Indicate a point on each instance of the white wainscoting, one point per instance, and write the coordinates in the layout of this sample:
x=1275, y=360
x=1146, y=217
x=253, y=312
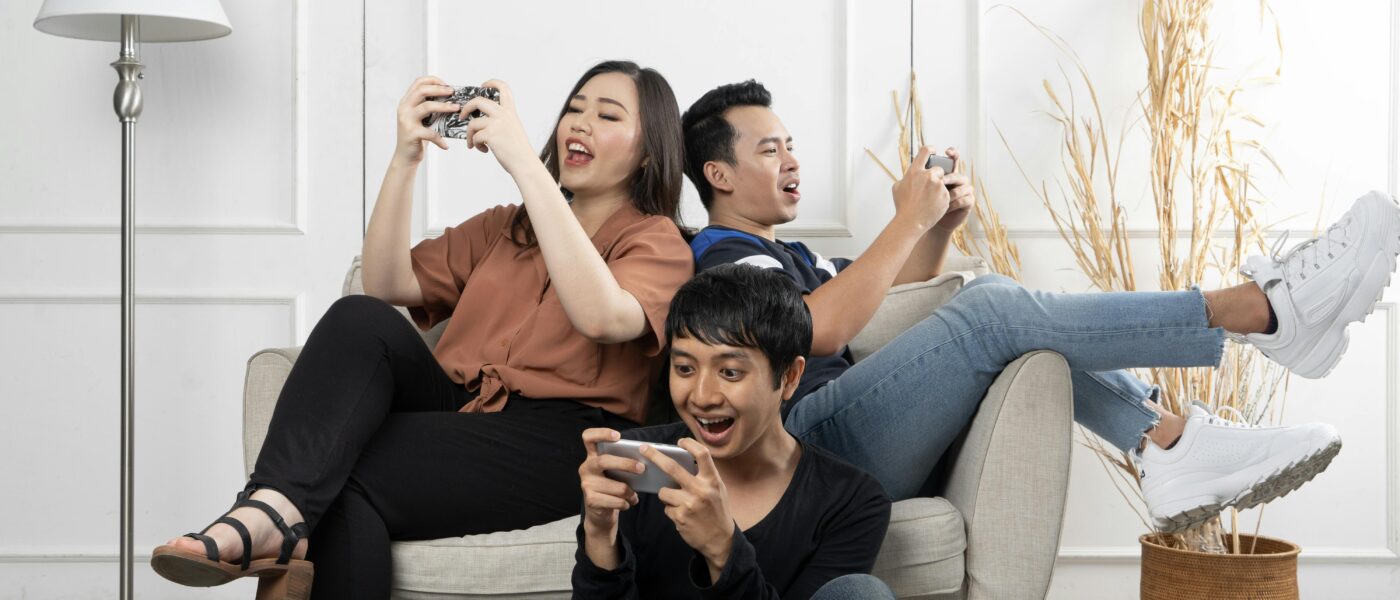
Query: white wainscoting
x=261, y=154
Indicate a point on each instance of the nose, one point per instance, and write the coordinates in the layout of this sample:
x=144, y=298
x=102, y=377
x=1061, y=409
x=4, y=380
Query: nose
x=706, y=393
x=790, y=163
x=580, y=124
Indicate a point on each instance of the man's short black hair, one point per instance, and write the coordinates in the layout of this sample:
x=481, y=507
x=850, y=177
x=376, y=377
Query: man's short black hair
x=708, y=136
x=746, y=307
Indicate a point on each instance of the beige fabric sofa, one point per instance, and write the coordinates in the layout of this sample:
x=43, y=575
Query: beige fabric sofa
x=992, y=534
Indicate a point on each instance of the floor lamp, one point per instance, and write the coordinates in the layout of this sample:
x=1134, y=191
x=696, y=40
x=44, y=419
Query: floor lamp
x=130, y=22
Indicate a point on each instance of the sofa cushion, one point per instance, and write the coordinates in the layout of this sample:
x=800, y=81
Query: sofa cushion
x=922, y=555
x=525, y=563
x=923, y=551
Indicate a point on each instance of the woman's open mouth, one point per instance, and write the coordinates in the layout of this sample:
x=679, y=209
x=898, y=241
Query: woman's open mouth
x=577, y=154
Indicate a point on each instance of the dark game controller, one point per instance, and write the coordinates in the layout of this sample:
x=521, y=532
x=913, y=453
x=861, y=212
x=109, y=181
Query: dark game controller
x=453, y=125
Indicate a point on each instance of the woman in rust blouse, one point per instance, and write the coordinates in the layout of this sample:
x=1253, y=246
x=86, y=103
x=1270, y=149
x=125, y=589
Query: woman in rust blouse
x=557, y=311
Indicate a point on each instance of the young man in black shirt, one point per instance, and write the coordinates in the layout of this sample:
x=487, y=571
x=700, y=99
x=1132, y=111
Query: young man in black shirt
x=894, y=413
x=767, y=516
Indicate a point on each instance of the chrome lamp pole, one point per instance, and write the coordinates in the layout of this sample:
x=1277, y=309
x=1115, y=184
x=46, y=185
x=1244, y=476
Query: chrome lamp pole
x=123, y=21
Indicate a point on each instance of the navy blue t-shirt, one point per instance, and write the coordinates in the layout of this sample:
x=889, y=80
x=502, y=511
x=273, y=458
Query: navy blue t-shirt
x=718, y=245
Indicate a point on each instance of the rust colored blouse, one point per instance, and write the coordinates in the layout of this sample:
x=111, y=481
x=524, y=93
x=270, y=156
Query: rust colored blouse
x=508, y=331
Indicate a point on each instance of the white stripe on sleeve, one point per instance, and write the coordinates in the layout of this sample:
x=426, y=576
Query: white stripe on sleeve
x=825, y=264
x=762, y=261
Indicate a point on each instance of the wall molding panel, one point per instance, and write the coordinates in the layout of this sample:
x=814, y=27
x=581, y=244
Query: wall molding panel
x=293, y=302
x=295, y=215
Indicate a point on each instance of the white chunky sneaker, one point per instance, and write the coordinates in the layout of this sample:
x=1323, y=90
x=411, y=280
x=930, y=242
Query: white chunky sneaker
x=1326, y=283
x=1219, y=463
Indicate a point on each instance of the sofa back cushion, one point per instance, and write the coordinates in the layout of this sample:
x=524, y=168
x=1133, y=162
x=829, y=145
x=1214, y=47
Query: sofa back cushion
x=903, y=306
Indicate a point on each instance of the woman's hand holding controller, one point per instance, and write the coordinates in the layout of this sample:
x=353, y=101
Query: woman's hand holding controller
x=499, y=129
x=413, y=107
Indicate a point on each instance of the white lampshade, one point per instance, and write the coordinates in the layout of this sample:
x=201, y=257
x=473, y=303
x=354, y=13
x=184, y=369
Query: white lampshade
x=161, y=20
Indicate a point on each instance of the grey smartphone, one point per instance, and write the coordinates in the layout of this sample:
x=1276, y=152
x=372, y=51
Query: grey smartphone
x=935, y=160
x=652, y=479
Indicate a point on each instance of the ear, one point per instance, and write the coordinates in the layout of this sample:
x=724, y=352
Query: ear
x=719, y=175
x=793, y=376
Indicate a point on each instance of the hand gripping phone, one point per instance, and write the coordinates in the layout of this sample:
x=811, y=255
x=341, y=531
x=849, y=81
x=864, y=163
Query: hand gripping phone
x=653, y=478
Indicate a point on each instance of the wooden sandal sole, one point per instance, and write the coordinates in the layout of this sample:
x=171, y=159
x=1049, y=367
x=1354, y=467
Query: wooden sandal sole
x=196, y=570
x=294, y=584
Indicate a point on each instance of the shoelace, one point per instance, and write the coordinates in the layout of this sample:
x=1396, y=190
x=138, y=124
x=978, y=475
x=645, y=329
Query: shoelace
x=1237, y=421
x=1296, y=261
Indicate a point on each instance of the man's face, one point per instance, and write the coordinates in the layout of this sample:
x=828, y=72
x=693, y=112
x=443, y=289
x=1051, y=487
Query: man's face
x=725, y=394
x=765, y=176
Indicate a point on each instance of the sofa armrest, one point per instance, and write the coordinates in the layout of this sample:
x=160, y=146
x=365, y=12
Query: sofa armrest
x=1009, y=476
x=267, y=371
x=973, y=264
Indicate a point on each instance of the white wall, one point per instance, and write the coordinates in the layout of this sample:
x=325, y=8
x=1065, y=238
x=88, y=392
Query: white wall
x=285, y=127
x=541, y=63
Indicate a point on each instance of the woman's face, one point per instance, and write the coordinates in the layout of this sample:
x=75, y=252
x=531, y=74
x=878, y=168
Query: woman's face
x=599, y=137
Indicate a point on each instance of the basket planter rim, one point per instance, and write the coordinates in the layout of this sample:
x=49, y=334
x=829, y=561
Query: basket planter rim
x=1146, y=540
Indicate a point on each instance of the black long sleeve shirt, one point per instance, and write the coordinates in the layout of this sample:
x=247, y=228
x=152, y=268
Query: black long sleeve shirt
x=829, y=522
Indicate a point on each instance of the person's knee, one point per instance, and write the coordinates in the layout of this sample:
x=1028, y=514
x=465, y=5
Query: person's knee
x=990, y=298
x=360, y=314
x=856, y=586
x=357, y=308
x=990, y=279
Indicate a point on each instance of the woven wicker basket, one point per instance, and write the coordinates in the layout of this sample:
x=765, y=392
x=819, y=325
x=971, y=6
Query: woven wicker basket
x=1270, y=573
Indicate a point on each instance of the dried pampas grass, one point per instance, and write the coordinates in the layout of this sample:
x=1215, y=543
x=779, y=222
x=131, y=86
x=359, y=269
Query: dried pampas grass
x=1201, y=167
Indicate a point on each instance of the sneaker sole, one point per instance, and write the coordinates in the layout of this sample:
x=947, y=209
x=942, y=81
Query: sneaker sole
x=1328, y=351
x=1271, y=487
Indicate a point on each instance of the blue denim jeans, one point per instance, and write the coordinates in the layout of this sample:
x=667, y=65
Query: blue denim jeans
x=894, y=413
x=856, y=586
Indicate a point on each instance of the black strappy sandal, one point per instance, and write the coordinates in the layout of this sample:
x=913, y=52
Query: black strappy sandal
x=279, y=578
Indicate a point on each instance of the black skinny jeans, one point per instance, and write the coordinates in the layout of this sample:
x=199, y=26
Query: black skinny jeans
x=367, y=443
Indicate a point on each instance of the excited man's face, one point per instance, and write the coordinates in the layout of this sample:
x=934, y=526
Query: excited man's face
x=764, y=181
x=725, y=394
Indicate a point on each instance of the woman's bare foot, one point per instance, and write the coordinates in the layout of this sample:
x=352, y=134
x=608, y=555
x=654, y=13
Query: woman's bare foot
x=267, y=539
